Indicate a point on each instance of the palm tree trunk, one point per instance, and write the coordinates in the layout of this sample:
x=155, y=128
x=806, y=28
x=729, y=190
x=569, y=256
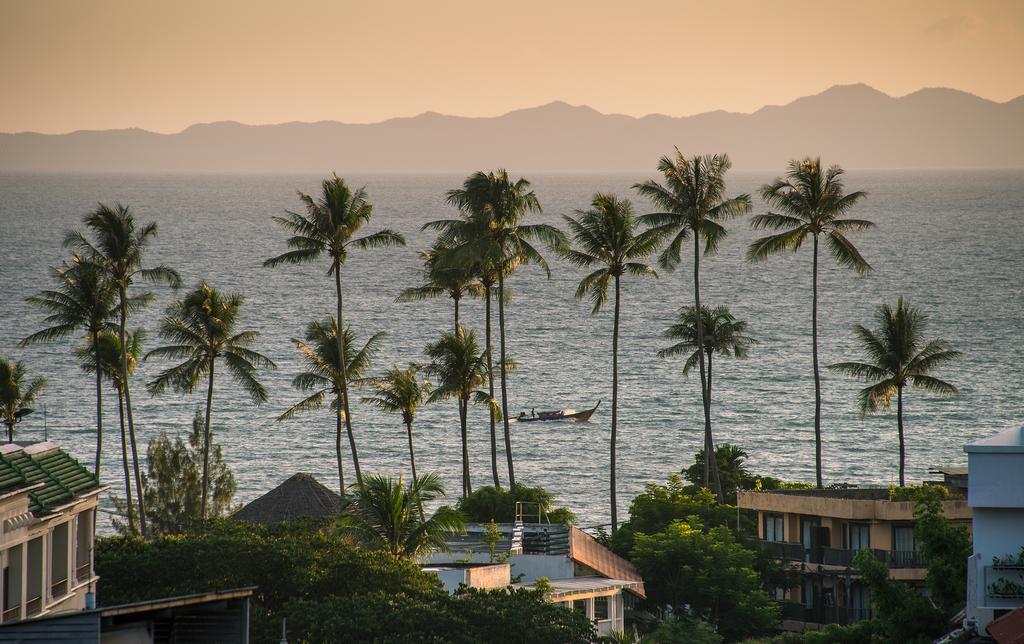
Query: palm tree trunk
x=412, y=462
x=206, y=445
x=343, y=377
x=463, y=412
x=615, y=405
x=899, y=425
x=99, y=406
x=490, y=387
x=458, y=328
x=127, y=470
x=128, y=408
x=337, y=450
x=504, y=377
x=817, y=375
x=710, y=461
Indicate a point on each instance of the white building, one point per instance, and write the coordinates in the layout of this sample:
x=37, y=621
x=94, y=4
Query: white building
x=995, y=572
x=47, y=513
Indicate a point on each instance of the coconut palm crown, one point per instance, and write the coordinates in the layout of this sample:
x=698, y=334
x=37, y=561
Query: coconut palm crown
x=442, y=277
x=16, y=394
x=897, y=355
x=400, y=391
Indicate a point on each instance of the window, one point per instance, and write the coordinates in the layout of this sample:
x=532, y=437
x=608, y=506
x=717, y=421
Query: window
x=860, y=601
x=773, y=527
x=809, y=532
x=580, y=605
x=601, y=608
x=903, y=538
x=860, y=536
x=811, y=589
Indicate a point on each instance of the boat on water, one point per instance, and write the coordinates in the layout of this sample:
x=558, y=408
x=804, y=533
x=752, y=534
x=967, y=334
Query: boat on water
x=561, y=414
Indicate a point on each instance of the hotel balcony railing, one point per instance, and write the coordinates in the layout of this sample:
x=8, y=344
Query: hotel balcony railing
x=33, y=606
x=841, y=556
x=59, y=588
x=12, y=614
x=83, y=572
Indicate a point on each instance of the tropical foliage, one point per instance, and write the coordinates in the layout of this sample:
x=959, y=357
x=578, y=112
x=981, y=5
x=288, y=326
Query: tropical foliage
x=400, y=391
x=811, y=203
x=897, y=356
x=489, y=503
x=16, y=394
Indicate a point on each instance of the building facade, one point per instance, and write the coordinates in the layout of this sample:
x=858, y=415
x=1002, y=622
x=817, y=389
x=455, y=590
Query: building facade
x=818, y=533
x=48, y=507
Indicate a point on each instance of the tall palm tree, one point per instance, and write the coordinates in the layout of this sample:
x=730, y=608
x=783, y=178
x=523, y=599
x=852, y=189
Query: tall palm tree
x=329, y=227
x=693, y=204
x=812, y=203
x=116, y=250
x=83, y=300
x=723, y=335
x=400, y=391
x=606, y=236
x=16, y=395
x=897, y=355
x=383, y=515
x=442, y=278
x=105, y=356
x=460, y=370
x=324, y=378
x=491, y=235
x=202, y=329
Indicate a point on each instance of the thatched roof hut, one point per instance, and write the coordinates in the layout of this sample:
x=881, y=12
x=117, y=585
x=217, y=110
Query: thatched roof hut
x=300, y=496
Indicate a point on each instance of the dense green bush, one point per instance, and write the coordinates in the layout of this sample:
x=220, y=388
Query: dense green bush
x=490, y=503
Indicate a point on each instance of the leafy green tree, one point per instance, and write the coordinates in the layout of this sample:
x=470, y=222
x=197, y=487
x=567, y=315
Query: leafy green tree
x=203, y=331
x=705, y=573
x=329, y=227
x=812, y=202
x=490, y=503
x=731, y=471
x=492, y=238
x=682, y=631
x=173, y=485
x=901, y=613
x=400, y=391
x=82, y=301
x=692, y=203
x=116, y=250
x=460, y=370
x=520, y=615
x=606, y=236
x=897, y=355
x=386, y=514
x=945, y=546
x=105, y=356
x=441, y=277
x=16, y=394
x=324, y=378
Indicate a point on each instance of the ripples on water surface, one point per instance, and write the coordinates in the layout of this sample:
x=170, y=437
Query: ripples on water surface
x=951, y=242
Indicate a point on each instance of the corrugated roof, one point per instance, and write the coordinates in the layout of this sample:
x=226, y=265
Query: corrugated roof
x=63, y=477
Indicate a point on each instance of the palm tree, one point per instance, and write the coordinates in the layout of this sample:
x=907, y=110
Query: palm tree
x=324, y=378
x=383, y=515
x=460, y=369
x=400, y=391
x=693, y=204
x=723, y=335
x=16, y=395
x=492, y=237
x=105, y=356
x=606, y=236
x=812, y=203
x=897, y=355
x=442, y=278
x=83, y=300
x=202, y=330
x=329, y=227
x=116, y=250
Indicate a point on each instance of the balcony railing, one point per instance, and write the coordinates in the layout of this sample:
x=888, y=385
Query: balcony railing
x=841, y=557
x=825, y=614
x=33, y=606
x=59, y=588
x=12, y=614
x=83, y=572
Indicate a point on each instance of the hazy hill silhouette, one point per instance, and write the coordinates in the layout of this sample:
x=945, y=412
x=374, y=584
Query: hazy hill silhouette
x=854, y=125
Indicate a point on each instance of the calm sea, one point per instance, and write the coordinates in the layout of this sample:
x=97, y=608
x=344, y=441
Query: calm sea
x=951, y=242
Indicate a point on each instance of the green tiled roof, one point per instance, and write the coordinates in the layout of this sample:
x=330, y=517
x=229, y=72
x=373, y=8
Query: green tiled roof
x=63, y=477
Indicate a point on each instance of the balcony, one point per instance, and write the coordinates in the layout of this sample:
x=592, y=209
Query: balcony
x=1004, y=585
x=841, y=557
x=824, y=614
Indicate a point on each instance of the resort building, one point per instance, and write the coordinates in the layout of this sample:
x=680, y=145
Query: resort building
x=995, y=572
x=48, y=511
x=580, y=572
x=818, y=532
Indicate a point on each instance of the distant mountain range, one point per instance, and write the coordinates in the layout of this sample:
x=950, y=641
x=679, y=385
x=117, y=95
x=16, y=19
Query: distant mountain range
x=854, y=125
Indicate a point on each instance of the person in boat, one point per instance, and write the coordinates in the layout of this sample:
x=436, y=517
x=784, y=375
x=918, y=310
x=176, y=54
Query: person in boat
x=533, y=412
x=522, y=415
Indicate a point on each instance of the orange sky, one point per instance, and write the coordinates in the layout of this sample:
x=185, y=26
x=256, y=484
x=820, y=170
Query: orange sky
x=67, y=65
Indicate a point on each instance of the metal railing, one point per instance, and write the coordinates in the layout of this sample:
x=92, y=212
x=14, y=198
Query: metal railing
x=842, y=557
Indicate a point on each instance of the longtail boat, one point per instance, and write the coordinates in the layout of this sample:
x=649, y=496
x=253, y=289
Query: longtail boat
x=561, y=414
